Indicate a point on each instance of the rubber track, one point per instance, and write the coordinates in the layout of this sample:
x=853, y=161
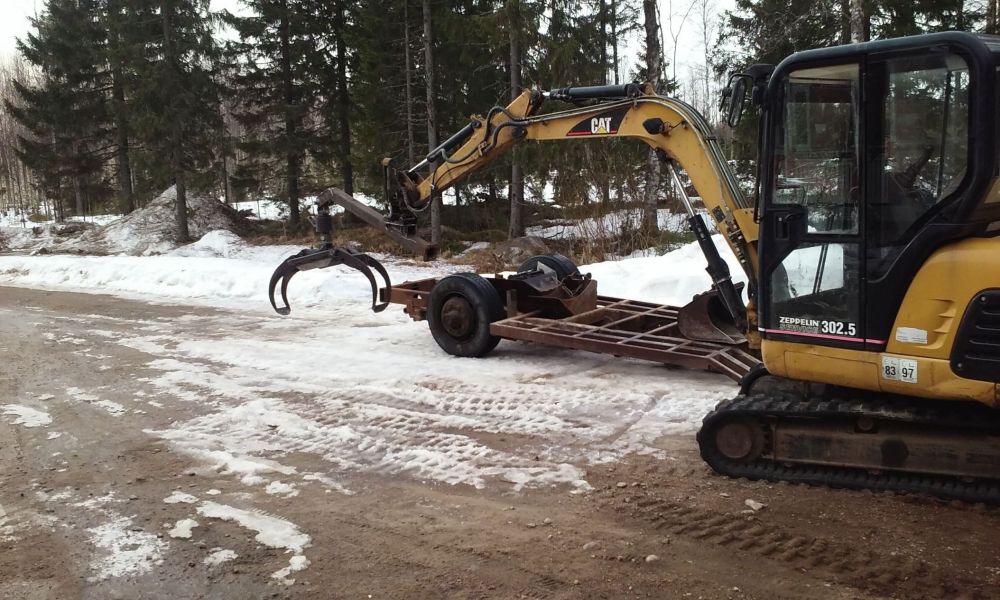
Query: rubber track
x=785, y=405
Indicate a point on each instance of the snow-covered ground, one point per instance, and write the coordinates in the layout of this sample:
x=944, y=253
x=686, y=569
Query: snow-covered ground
x=389, y=400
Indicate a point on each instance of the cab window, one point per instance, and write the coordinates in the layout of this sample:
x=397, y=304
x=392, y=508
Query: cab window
x=924, y=147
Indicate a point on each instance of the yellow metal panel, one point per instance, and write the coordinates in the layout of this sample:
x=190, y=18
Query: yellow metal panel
x=939, y=294
x=863, y=370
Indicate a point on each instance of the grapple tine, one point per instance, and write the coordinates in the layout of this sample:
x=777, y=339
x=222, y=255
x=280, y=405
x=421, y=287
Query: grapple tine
x=284, y=292
x=385, y=277
x=323, y=256
x=360, y=264
x=283, y=273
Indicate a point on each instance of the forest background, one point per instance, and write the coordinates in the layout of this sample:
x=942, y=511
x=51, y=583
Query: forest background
x=105, y=103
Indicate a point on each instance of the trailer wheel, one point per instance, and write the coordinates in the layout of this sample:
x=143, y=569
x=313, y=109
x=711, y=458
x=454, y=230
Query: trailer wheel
x=459, y=312
x=557, y=264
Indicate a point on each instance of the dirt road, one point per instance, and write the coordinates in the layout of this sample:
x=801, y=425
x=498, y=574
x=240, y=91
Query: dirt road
x=133, y=464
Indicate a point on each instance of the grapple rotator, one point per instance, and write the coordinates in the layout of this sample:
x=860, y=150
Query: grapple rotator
x=324, y=255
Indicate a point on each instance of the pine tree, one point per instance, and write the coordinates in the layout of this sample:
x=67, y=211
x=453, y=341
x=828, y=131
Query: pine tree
x=177, y=94
x=278, y=68
x=66, y=113
x=121, y=53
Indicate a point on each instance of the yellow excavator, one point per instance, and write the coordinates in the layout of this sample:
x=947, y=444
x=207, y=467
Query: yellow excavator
x=871, y=248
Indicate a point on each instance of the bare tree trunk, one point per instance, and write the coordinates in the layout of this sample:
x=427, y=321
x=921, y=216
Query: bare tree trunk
x=614, y=38
x=859, y=28
x=123, y=165
x=516, y=228
x=706, y=7
x=78, y=195
x=654, y=68
x=674, y=35
x=292, y=165
x=845, y=21
x=343, y=103
x=182, y=234
x=603, y=17
x=431, y=115
x=411, y=152
x=991, y=16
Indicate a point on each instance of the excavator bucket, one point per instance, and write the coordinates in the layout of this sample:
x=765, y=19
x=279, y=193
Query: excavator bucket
x=705, y=318
x=320, y=259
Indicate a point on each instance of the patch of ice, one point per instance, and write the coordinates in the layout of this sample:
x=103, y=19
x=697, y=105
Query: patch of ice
x=78, y=394
x=213, y=492
x=54, y=435
x=277, y=488
x=219, y=556
x=296, y=563
x=182, y=528
x=27, y=416
x=113, y=408
x=271, y=531
x=178, y=496
x=129, y=551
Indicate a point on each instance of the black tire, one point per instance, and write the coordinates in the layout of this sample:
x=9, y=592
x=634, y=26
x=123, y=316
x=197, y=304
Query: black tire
x=459, y=312
x=557, y=264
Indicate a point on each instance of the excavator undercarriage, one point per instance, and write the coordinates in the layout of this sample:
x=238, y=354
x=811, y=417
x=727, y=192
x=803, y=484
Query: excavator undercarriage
x=783, y=430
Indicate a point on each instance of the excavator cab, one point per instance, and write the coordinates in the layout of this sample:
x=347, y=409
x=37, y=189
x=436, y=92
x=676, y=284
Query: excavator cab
x=875, y=156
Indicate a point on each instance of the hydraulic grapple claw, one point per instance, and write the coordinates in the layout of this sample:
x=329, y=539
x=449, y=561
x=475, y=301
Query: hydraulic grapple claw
x=320, y=259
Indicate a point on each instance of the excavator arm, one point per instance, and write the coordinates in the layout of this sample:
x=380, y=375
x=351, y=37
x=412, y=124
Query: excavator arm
x=676, y=131
x=679, y=135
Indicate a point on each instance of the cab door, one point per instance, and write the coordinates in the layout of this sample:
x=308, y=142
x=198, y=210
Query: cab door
x=811, y=243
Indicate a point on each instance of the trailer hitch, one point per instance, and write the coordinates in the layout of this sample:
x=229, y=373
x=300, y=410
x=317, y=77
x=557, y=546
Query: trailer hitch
x=323, y=256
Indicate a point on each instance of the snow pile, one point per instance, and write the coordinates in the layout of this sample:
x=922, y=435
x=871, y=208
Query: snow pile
x=46, y=237
x=219, y=243
x=673, y=278
x=150, y=230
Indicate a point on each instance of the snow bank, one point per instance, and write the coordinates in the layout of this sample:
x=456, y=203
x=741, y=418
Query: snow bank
x=220, y=269
x=673, y=278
